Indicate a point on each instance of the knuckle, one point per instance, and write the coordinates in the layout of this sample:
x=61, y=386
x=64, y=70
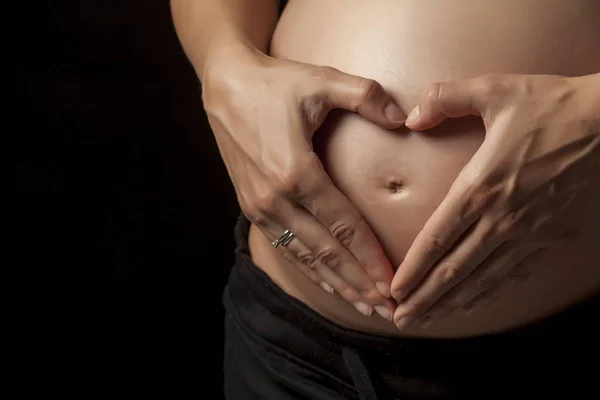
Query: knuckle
x=481, y=200
x=483, y=197
x=508, y=223
x=344, y=232
x=494, y=85
x=265, y=202
x=252, y=212
x=329, y=257
x=286, y=181
x=370, y=294
x=300, y=177
x=324, y=72
x=438, y=245
x=306, y=258
x=366, y=88
x=328, y=72
x=434, y=92
x=450, y=272
x=213, y=111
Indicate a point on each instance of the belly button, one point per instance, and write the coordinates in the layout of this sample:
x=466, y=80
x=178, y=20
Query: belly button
x=394, y=186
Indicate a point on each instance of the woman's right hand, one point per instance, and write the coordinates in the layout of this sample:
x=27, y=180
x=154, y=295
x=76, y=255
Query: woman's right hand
x=264, y=112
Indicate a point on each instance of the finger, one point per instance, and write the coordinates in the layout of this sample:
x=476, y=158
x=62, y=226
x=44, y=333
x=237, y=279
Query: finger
x=291, y=257
x=494, y=270
x=298, y=254
x=266, y=210
x=331, y=260
x=449, y=221
x=449, y=272
x=317, y=250
x=517, y=276
x=268, y=228
x=327, y=204
x=453, y=99
x=273, y=212
x=364, y=96
x=328, y=278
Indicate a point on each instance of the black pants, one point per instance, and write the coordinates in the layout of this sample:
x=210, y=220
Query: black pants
x=278, y=348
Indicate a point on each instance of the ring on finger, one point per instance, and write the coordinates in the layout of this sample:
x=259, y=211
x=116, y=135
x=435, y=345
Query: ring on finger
x=284, y=239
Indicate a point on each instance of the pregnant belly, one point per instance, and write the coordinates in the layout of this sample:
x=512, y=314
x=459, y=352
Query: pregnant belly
x=397, y=178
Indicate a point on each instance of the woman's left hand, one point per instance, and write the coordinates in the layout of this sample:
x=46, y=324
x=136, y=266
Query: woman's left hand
x=513, y=200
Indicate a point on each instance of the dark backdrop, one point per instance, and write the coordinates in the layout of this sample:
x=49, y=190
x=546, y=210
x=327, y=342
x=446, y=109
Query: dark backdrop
x=129, y=197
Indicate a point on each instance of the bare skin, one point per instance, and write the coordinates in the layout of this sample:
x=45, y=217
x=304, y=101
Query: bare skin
x=263, y=113
x=397, y=179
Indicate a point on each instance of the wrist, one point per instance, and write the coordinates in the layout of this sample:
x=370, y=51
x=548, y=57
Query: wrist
x=586, y=100
x=589, y=88
x=594, y=88
x=225, y=52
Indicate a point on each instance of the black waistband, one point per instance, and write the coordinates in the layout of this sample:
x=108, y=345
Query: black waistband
x=571, y=328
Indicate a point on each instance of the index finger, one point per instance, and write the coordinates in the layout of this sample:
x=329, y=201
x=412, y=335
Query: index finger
x=439, y=235
x=346, y=224
x=454, y=99
x=364, y=96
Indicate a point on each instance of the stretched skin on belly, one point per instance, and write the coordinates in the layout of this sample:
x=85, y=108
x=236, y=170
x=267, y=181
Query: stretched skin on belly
x=397, y=179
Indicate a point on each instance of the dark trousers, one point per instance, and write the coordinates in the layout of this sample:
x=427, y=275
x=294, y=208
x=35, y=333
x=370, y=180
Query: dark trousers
x=278, y=348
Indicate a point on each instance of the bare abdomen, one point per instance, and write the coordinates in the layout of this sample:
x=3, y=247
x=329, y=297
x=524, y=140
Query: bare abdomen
x=397, y=179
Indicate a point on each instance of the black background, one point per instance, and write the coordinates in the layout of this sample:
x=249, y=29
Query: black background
x=126, y=198
x=125, y=209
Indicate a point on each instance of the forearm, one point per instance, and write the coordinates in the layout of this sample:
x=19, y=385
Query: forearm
x=589, y=100
x=207, y=27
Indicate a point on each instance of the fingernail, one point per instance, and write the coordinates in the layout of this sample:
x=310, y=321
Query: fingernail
x=413, y=116
x=383, y=289
x=404, y=322
x=363, y=308
x=394, y=113
x=384, y=312
x=327, y=288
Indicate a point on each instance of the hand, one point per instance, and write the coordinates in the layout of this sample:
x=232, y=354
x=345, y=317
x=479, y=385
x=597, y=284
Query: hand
x=513, y=200
x=264, y=112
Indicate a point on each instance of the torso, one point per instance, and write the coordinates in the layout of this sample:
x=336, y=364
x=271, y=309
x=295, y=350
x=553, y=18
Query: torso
x=397, y=179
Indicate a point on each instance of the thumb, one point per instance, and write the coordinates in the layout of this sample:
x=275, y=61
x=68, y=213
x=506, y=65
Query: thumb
x=452, y=99
x=364, y=96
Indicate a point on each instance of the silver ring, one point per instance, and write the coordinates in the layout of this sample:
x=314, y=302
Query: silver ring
x=283, y=239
